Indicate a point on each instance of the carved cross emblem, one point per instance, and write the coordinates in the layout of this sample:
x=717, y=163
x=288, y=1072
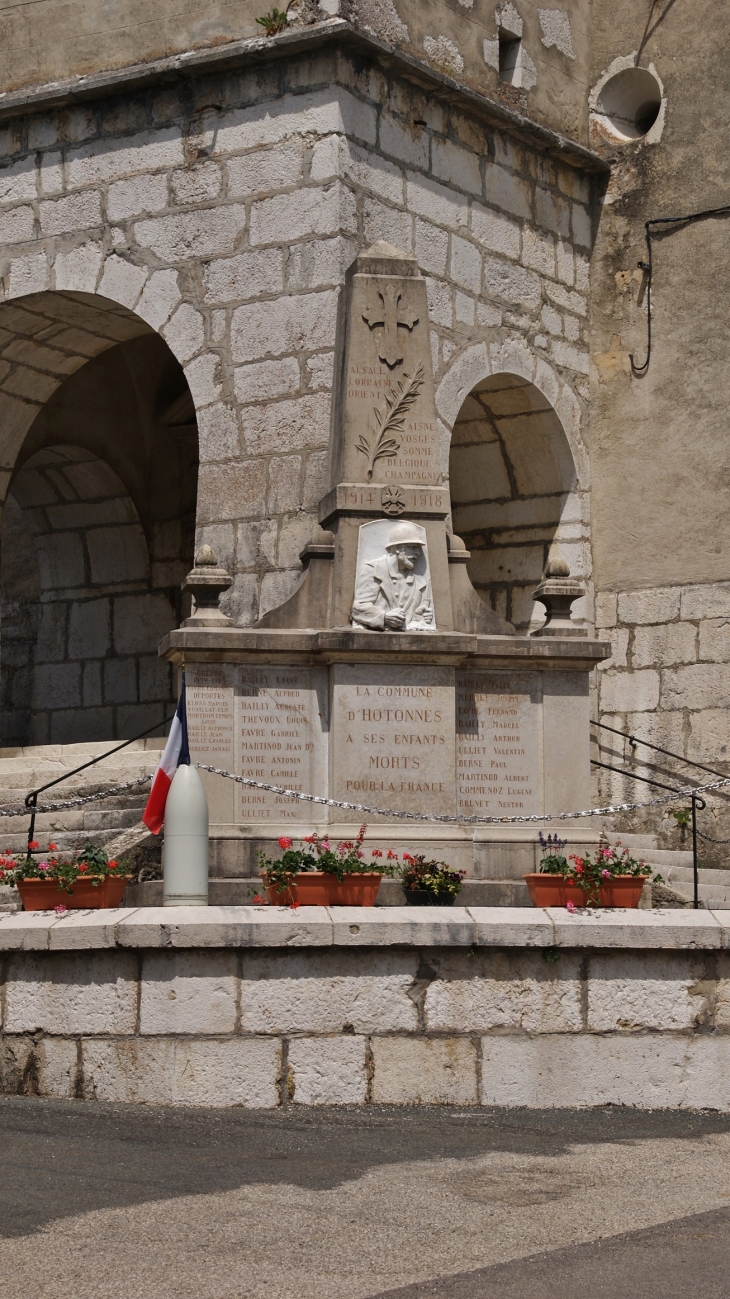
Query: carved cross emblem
x=390, y=315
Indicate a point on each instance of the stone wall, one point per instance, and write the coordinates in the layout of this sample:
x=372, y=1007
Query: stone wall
x=657, y=443
x=54, y=42
x=255, y=1007
x=668, y=682
x=97, y=536
x=229, y=231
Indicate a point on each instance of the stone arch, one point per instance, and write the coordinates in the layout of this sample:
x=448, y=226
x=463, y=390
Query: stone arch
x=98, y=474
x=518, y=479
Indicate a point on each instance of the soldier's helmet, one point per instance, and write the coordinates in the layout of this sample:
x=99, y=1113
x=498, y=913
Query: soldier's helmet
x=405, y=534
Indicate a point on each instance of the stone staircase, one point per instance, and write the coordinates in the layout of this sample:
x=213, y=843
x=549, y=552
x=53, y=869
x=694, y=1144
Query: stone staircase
x=675, y=865
x=113, y=822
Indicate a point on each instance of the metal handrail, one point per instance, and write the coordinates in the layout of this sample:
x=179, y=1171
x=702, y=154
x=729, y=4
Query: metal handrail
x=697, y=804
x=31, y=799
x=633, y=741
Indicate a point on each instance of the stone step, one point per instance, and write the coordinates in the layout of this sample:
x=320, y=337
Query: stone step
x=685, y=874
x=665, y=858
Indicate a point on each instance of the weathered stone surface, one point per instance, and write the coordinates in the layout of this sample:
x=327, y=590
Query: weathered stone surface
x=424, y=1071
x=647, y=991
x=188, y=992
x=239, y=1071
x=490, y=992
x=328, y=1070
x=64, y=994
x=643, y=1070
x=285, y=993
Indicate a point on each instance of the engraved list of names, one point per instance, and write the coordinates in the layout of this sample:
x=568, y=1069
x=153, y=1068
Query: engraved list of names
x=280, y=738
x=498, y=743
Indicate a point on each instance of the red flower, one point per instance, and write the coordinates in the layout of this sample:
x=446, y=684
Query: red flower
x=258, y=899
x=53, y=847
x=112, y=865
x=392, y=856
x=294, y=906
x=376, y=853
x=83, y=866
x=285, y=842
x=34, y=844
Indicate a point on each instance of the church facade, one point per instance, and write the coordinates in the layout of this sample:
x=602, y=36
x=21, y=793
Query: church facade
x=181, y=205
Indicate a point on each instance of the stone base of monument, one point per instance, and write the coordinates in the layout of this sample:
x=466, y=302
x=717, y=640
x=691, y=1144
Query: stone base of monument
x=441, y=724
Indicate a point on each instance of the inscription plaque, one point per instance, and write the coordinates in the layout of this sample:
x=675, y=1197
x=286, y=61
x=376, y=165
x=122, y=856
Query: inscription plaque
x=393, y=736
x=209, y=699
x=281, y=719
x=498, y=743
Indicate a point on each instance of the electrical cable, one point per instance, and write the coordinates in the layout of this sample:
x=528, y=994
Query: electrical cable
x=648, y=267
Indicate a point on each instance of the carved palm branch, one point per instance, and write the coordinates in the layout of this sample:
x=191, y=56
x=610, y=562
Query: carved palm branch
x=391, y=420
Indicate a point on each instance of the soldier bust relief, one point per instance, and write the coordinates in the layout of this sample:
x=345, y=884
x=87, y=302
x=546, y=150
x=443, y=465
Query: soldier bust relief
x=393, y=588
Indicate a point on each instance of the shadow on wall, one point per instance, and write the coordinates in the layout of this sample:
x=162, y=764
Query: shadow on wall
x=97, y=535
x=514, y=495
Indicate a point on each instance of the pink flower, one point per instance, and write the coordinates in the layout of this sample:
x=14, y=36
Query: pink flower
x=325, y=845
x=43, y=866
x=285, y=842
x=606, y=875
x=60, y=910
x=571, y=907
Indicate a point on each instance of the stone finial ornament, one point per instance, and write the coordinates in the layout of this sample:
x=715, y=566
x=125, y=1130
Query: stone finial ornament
x=206, y=582
x=558, y=591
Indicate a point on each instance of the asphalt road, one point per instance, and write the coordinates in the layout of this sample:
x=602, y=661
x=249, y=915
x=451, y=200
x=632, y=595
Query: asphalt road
x=126, y=1202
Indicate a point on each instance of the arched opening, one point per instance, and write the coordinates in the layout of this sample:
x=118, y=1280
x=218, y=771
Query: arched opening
x=515, y=497
x=100, y=446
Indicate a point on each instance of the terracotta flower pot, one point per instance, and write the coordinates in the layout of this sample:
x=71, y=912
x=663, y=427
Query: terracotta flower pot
x=623, y=891
x=553, y=891
x=556, y=891
x=318, y=889
x=44, y=895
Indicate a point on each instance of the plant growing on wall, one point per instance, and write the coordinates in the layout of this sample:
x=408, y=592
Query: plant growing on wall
x=390, y=420
x=275, y=20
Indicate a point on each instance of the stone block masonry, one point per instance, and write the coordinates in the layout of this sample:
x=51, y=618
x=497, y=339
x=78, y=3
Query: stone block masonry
x=263, y=1007
x=668, y=682
x=229, y=231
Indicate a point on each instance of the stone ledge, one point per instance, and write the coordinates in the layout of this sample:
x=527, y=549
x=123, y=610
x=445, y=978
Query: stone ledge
x=250, y=926
x=350, y=645
x=332, y=31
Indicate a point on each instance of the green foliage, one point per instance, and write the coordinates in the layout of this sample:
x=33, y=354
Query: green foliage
x=590, y=872
x=683, y=816
x=347, y=858
x=275, y=20
x=435, y=877
x=91, y=863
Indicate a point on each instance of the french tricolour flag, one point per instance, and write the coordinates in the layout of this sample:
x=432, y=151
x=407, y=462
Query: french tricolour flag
x=175, y=754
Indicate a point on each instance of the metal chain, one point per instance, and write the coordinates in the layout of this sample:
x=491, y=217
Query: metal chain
x=710, y=839
x=461, y=820
x=383, y=811
x=75, y=802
